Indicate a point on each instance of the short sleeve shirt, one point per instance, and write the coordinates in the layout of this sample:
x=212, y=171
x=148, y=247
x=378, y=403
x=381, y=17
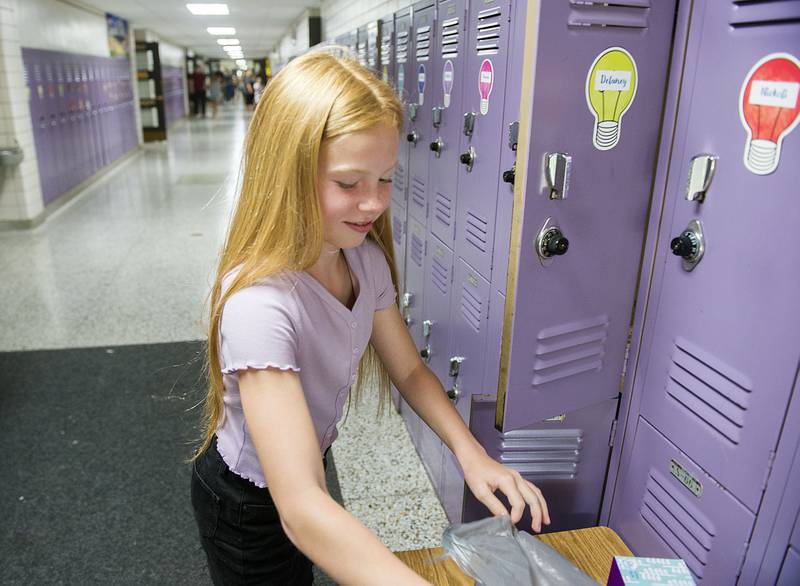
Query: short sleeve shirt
x=290, y=321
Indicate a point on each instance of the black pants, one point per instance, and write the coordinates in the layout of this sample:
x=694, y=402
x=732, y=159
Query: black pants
x=240, y=529
x=200, y=103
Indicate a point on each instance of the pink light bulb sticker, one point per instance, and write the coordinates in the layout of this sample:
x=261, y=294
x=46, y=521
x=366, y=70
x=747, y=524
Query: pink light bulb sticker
x=485, y=84
x=769, y=109
x=448, y=76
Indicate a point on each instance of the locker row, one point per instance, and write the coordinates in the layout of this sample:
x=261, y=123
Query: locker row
x=573, y=213
x=173, y=85
x=82, y=113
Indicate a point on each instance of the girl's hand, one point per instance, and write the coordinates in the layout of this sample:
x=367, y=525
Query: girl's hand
x=484, y=476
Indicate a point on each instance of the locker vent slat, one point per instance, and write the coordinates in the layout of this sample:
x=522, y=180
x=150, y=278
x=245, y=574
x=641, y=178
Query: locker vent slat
x=488, y=31
x=399, y=180
x=570, y=349
x=450, y=38
x=397, y=230
x=440, y=275
x=443, y=209
x=417, y=249
x=471, y=307
x=422, y=46
x=678, y=522
x=418, y=192
x=540, y=454
x=620, y=14
x=476, y=231
x=748, y=13
x=401, y=50
x=709, y=390
x=372, y=45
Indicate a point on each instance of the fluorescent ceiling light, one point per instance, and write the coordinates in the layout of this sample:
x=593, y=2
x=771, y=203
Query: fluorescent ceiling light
x=208, y=9
x=221, y=30
x=227, y=41
x=232, y=49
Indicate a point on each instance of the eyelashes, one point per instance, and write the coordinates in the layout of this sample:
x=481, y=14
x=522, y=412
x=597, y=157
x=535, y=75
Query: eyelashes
x=348, y=186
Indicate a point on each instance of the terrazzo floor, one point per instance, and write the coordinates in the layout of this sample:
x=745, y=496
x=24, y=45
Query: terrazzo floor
x=130, y=261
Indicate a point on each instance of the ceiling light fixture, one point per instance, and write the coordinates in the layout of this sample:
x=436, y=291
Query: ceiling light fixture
x=221, y=30
x=227, y=41
x=208, y=9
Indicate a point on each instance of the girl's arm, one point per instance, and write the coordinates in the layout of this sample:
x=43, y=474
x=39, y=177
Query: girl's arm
x=422, y=390
x=283, y=433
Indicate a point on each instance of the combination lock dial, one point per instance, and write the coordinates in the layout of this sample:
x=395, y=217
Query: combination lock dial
x=689, y=245
x=554, y=243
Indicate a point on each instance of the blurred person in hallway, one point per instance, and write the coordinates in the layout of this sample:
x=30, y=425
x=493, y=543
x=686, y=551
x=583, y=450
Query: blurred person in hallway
x=215, y=91
x=303, y=309
x=199, y=86
x=248, y=90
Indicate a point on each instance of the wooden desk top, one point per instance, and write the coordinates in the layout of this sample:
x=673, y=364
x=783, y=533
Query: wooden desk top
x=590, y=549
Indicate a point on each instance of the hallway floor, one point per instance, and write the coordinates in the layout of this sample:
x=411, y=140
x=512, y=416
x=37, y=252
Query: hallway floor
x=130, y=261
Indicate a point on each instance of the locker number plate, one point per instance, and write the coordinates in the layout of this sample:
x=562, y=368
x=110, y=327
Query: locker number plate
x=686, y=478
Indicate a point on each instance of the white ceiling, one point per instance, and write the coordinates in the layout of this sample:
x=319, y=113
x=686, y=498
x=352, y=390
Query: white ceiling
x=259, y=23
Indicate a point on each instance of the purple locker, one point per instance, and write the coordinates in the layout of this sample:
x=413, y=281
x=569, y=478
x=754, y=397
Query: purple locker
x=566, y=344
x=399, y=238
x=39, y=117
x=565, y=456
x=481, y=142
x=419, y=112
x=446, y=89
x=386, y=49
x=373, y=48
x=361, y=45
x=705, y=382
x=494, y=340
x=64, y=180
x=670, y=507
x=403, y=45
x=435, y=348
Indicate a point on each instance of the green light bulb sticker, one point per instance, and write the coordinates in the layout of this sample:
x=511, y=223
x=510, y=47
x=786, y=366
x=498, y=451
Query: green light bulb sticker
x=610, y=89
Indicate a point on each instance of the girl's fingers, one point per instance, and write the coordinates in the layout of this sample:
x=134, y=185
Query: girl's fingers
x=509, y=487
x=492, y=503
x=542, y=502
x=527, y=490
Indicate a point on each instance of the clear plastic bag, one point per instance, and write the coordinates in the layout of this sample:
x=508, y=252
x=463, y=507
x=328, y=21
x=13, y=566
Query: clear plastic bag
x=494, y=553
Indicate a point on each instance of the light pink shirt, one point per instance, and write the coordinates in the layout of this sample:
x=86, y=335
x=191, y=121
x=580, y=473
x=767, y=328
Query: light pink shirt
x=291, y=322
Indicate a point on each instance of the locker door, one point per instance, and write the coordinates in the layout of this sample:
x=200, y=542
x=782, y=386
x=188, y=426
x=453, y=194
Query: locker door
x=436, y=307
x=399, y=237
x=362, y=44
x=403, y=47
x=725, y=339
x=479, y=153
x=373, y=48
x=420, y=92
x=386, y=53
x=571, y=312
x=411, y=303
x=447, y=115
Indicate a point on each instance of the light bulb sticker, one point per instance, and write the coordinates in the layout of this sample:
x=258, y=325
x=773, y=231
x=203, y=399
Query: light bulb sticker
x=421, y=84
x=401, y=81
x=769, y=109
x=385, y=74
x=485, y=84
x=448, y=76
x=610, y=89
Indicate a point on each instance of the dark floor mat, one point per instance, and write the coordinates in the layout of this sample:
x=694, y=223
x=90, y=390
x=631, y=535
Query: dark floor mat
x=95, y=484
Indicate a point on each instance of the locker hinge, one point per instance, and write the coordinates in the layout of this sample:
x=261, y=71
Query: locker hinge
x=613, y=433
x=625, y=365
x=770, y=462
x=741, y=560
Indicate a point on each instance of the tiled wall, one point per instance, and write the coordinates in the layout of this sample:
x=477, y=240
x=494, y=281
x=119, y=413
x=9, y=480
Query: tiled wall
x=343, y=16
x=20, y=195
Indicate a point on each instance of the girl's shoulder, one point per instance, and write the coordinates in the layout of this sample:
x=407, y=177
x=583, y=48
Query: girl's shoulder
x=279, y=287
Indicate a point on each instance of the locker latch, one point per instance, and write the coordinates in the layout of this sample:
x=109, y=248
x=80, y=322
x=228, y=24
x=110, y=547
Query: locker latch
x=437, y=116
x=436, y=146
x=690, y=245
x=469, y=123
x=412, y=137
x=412, y=111
x=513, y=135
x=468, y=159
x=408, y=298
x=425, y=353
x=556, y=171
x=455, y=366
x=701, y=172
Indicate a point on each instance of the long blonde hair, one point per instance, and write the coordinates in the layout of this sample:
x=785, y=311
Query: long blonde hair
x=277, y=224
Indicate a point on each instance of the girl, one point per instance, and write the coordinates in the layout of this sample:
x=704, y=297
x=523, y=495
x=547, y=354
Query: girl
x=303, y=307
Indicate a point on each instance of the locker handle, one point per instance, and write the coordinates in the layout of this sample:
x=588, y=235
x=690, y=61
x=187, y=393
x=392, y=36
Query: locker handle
x=436, y=146
x=412, y=137
x=701, y=172
x=468, y=159
x=454, y=393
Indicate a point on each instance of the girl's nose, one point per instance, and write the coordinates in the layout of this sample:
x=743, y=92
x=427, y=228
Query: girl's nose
x=374, y=201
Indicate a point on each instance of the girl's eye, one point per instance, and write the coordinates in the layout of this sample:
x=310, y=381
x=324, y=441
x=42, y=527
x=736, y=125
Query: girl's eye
x=389, y=180
x=344, y=185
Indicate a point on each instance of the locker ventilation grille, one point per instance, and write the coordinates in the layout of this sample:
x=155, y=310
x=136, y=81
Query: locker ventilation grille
x=471, y=307
x=540, y=454
x=372, y=45
x=397, y=231
x=488, y=31
x=450, y=36
x=386, y=44
x=418, y=192
x=401, y=51
x=569, y=349
x=678, y=522
x=423, y=43
x=709, y=389
x=746, y=13
x=417, y=249
x=443, y=209
x=399, y=180
x=440, y=275
x=620, y=13
x=477, y=231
